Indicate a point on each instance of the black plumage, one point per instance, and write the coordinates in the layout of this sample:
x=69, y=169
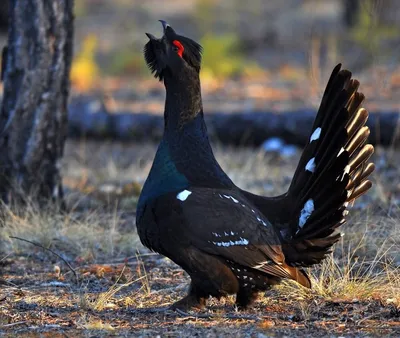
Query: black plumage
x=228, y=240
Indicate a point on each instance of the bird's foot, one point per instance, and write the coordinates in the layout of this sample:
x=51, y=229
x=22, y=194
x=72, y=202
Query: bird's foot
x=189, y=302
x=245, y=298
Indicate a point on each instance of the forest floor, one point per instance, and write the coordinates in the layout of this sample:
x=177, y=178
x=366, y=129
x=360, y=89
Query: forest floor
x=116, y=287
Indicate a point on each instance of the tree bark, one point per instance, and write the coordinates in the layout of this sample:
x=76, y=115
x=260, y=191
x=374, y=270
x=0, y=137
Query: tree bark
x=4, y=9
x=33, y=117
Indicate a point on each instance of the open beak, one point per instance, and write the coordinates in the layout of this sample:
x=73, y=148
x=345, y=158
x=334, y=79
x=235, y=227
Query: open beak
x=151, y=36
x=165, y=26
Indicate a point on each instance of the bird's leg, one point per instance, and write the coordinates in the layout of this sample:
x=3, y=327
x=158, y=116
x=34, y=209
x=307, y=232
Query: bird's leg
x=194, y=300
x=245, y=297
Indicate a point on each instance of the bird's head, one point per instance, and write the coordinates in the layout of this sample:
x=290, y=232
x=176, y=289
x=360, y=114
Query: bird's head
x=172, y=54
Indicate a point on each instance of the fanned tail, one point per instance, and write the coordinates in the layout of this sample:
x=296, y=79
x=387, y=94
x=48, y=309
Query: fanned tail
x=333, y=171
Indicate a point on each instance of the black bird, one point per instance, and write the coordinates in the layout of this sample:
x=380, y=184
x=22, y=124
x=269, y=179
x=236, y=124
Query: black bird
x=228, y=240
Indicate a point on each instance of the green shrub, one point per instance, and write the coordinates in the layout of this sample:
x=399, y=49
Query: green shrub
x=221, y=58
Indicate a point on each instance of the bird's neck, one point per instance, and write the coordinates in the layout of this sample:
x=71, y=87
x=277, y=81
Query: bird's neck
x=184, y=125
x=186, y=137
x=183, y=101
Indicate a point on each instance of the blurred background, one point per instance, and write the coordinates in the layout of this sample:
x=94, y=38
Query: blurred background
x=257, y=54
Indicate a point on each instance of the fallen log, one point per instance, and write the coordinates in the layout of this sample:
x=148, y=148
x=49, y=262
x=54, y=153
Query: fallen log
x=91, y=119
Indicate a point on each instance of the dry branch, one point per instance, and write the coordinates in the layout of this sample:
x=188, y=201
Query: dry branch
x=51, y=251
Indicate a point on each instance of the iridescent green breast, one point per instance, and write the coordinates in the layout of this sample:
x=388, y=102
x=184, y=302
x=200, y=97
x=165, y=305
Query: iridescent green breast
x=163, y=178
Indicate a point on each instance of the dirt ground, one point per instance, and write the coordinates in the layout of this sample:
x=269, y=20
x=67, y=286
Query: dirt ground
x=35, y=302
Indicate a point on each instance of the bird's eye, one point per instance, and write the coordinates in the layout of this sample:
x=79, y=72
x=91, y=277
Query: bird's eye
x=178, y=47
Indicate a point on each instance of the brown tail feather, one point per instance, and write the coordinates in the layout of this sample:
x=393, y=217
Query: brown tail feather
x=363, y=155
x=298, y=275
x=360, y=190
x=359, y=119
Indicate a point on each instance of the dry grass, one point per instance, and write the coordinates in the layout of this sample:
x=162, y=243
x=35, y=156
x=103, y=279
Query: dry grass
x=122, y=288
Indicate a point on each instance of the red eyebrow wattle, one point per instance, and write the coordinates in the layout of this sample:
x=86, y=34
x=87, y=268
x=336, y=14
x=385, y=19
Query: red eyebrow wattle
x=180, y=47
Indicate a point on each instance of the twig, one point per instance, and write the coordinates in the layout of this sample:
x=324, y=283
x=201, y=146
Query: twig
x=53, y=252
x=210, y=316
x=194, y=315
x=163, y=309
x=134, y=258
x=3, y=258
x=369, y=317
x=12, y=324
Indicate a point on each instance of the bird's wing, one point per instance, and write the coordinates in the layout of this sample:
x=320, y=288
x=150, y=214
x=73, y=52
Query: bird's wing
x=219, y=222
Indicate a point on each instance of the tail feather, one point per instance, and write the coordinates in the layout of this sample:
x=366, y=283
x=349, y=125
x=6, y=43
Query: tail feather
x=362, y=156
x=360, y=190
x=358, y=120
x=358, y=140
x=332, y=172
x=369, y=169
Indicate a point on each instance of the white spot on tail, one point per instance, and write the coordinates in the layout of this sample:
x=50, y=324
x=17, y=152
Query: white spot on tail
x=310, y=166
x=340, y=152
x=306, y=212
x=315, y=135
x=345, y=171
x=183, y=195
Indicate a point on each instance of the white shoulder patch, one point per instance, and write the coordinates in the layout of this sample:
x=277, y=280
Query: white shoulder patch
x=183, y=195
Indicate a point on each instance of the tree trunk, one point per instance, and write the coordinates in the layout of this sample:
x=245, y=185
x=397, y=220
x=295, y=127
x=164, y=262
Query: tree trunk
x=33, y=117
